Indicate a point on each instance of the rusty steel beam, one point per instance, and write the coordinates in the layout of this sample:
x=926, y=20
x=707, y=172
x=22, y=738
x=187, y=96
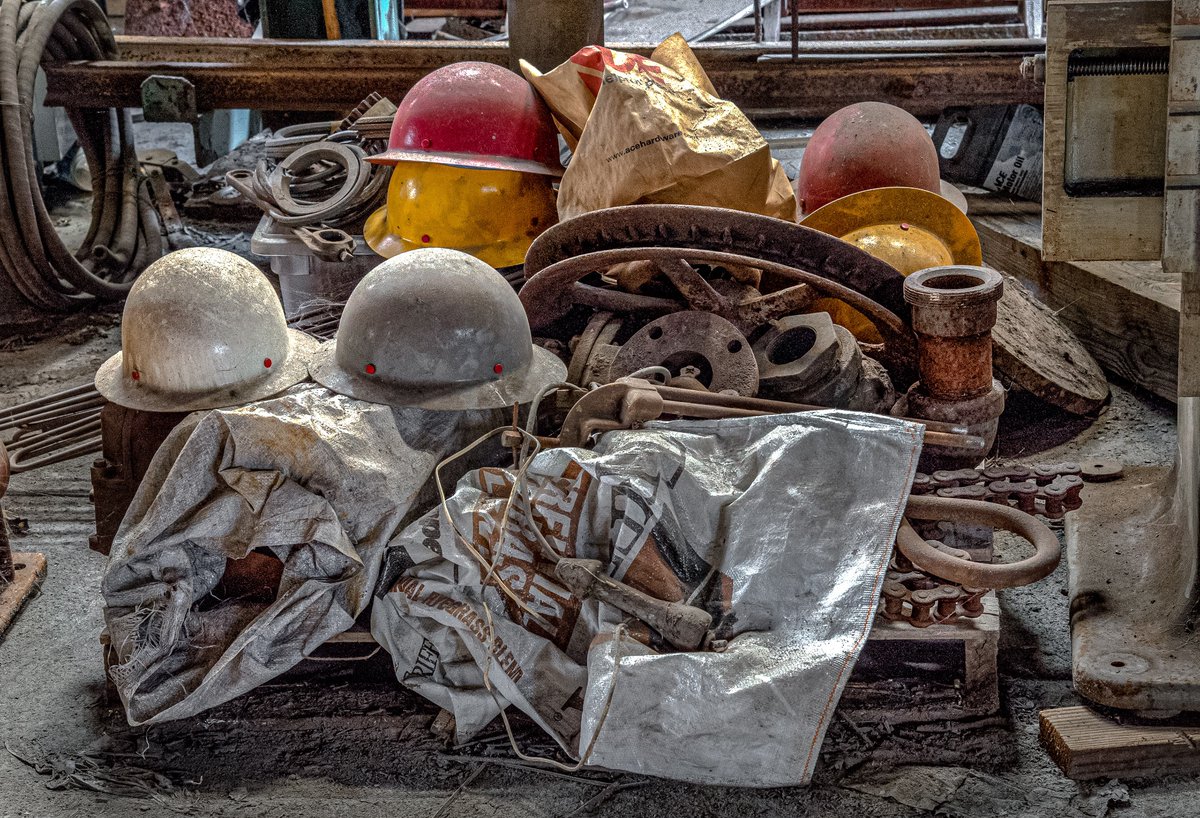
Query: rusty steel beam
x=287, y=75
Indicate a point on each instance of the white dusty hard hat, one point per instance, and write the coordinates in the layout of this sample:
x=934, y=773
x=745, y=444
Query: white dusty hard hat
x=438, y=329
x=202, y=329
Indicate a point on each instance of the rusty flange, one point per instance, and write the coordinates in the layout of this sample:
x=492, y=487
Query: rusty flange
x=708, y=342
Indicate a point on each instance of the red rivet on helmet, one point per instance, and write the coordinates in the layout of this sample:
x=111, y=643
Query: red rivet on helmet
x=425, y=143
x=370, y=369
x=903, y=225
x=425, y=239
x=135, y=375
x=267, y=363
x=498, y=368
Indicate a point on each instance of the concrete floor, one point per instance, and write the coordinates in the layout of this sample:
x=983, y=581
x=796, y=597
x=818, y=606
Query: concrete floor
x=331, y=742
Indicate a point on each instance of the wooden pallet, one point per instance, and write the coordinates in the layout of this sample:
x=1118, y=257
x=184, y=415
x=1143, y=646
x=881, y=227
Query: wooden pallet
x=1086, y=744
x=908, y=674
x=30, y=569
x=1125, y=313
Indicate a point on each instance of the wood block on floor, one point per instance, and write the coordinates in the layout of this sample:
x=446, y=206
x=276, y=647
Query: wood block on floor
x=1125, y=313
x=1086, y=744
x=29, y=570
x=908, y=674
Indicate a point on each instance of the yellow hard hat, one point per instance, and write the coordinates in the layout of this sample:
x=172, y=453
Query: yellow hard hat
x=909, y=228
x=493, y=215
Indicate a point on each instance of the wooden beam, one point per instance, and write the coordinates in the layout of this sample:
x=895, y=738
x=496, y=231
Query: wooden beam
x=922, y=76
x=1126, y=313
x=1086, y=745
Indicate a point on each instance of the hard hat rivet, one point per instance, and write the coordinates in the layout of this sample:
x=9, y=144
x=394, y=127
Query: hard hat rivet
x=903, y=225
x=267, y=363
x=135, y=375
x=498, y=368
x=370, y=369
x=425, y=239
x=425, y=143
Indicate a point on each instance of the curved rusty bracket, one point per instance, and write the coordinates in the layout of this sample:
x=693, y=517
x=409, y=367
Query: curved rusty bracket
x=1045, y=559
x=729, y=231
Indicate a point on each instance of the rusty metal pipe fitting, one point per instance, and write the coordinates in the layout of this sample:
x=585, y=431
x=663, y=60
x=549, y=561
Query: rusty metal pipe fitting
x=953, y=312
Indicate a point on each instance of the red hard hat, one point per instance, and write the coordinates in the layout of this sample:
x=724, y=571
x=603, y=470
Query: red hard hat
x=474, y=115
x=862, y=146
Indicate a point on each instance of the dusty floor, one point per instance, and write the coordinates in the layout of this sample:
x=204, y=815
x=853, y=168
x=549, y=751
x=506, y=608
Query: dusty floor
x=333, y=741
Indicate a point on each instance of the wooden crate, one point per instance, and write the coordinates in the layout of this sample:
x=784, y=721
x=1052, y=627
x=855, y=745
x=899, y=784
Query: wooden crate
x=908, y=674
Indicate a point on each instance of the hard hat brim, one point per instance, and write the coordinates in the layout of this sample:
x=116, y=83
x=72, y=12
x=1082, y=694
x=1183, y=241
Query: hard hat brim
x=523, y=387
x=953, y=195
x=894, y=205
x=466, y=160
x=117, y=387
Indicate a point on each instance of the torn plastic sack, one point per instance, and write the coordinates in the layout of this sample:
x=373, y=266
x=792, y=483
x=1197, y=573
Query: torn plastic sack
x=256, y=535
x=780, y=526
x=655, y=131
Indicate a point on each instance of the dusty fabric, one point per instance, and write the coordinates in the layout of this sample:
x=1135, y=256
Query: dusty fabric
x=779, y=526
x=311, y=485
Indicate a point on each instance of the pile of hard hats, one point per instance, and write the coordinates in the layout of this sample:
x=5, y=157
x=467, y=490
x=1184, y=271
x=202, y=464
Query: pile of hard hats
x=475, y=155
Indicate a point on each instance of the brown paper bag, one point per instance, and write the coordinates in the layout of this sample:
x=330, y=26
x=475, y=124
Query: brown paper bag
x=655, y=131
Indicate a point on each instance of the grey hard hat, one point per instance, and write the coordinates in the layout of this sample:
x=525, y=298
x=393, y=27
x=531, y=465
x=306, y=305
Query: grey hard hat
x=438, y=329
x=202, y=329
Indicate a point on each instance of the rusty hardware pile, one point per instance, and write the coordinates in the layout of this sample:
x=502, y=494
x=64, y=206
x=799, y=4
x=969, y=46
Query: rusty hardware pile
x=321, y=185
x=717, y=297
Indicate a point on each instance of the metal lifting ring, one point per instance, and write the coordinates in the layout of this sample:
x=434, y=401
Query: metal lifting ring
x=920, y=553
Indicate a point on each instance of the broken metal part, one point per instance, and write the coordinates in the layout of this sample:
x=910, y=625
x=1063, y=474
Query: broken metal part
x=54, y=428
x=722, y=357
x=327, y=243
x=593, y=350
x=683, y=626
x=789, y=256
x=953, y=312
x=6, y=563
x=928, y=558
x=1101, y=470
x=629, y=402
x=796, y=352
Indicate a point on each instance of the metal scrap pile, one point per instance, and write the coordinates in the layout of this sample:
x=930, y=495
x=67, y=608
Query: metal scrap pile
x=714, y=336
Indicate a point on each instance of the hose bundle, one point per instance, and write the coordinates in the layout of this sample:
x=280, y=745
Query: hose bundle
x=125, y=233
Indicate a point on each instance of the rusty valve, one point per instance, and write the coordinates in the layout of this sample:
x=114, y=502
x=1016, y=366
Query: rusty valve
x=953, y=312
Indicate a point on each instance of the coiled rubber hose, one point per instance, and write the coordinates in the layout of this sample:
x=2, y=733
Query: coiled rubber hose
x=125, y=233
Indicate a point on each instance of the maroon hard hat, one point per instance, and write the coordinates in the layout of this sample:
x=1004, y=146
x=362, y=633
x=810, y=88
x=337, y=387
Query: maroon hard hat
x=474, y=115
x=863, y=146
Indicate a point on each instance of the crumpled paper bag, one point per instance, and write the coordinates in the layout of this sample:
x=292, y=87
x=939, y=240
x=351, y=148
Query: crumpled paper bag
x=654, y=131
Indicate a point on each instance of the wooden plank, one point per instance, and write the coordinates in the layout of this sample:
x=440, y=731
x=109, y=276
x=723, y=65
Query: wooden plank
x=1086, y=745
x=1125, y=313
x=311, y=76
x=29, y=570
